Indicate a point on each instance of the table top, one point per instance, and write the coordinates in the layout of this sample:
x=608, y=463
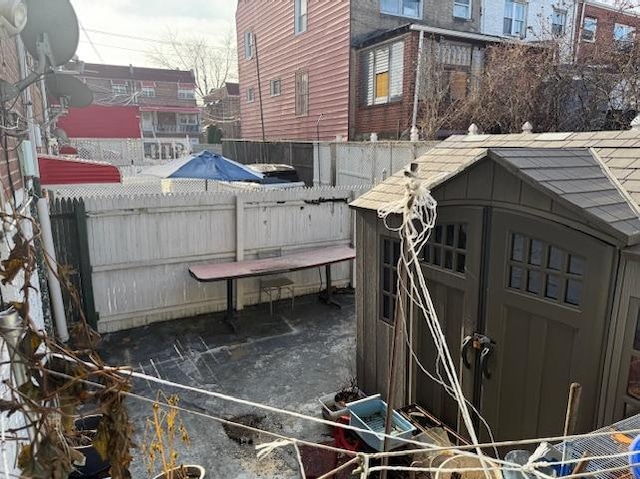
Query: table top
x=281, y=264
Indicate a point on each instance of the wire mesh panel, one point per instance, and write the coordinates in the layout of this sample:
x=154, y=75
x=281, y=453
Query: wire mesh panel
x=602, y=445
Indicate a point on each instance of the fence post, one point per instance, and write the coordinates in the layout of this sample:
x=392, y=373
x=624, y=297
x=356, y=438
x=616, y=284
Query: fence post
x=85, y=264
x=239, y=249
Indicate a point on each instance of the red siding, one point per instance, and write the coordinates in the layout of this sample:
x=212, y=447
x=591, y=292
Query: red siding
x=63, y=171
x=97, y=121
x=323, y=50
x=390, y=119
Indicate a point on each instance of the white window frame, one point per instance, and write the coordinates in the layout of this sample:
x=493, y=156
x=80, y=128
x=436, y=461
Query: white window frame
x=559, y=14
x=251, y=96
x=514, y=20
x=594, y=21
x=275, y=87
x=467, y=4
x=399, y=8
x=148, y=92
x=383, y=100
x=628, y=38
x=119, y=89
x=300, y=16
x=186, y=94
x=248, y=45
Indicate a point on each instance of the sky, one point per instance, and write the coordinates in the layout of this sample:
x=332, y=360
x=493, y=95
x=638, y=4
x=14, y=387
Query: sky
x=102, y=21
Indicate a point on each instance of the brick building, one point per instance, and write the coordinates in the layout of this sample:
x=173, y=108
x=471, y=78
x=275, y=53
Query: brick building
x=160, y=101
x=222, y=110
x=602, y=29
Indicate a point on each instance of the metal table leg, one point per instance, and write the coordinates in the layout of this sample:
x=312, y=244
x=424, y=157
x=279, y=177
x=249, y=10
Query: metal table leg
x=230, y=310
x=327, y=295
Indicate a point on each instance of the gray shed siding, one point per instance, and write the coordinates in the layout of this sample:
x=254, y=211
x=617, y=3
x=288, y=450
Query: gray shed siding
x=483, y=184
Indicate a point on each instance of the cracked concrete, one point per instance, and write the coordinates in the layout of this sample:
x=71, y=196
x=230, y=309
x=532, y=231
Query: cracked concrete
x=287, y=360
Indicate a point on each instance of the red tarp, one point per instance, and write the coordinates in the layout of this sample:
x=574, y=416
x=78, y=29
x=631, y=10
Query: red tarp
x=55, y=170
x=99, y=121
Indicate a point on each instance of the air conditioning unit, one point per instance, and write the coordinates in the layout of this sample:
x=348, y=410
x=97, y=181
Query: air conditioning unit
x=13, y=17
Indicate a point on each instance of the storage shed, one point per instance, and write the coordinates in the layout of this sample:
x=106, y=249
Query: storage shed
x=535, y=261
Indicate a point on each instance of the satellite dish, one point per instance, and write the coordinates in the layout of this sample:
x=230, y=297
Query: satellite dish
x=69, y=90
x=53, y=25
x=61, y=135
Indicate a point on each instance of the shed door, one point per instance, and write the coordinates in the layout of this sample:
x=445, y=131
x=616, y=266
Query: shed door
x=451, y=265
x=546, y=307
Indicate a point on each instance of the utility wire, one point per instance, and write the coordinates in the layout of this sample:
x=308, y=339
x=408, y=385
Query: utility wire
x=90, y=41
x=149, y=40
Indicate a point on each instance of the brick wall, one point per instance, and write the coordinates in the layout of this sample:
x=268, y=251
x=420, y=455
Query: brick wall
x=10, y=173
x=607, y=18
x=389, y=120
x=166, y=93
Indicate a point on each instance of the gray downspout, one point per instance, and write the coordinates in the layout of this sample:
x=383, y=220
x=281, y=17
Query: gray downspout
x=416, y=91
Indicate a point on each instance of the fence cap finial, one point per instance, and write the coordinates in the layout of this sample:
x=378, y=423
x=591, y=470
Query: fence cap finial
x=374, y=137
x=527, y=127
x=473, y=129
x=635, y=123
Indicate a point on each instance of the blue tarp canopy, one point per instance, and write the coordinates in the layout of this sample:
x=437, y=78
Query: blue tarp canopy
x=206, y=166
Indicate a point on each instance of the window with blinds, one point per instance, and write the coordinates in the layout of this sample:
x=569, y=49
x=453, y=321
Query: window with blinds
x=382, y=74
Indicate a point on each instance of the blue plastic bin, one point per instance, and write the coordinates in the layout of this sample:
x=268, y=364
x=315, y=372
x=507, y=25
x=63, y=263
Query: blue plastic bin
x=370, y=414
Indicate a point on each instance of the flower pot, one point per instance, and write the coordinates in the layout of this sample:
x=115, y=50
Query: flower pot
x=183, y=472
x=94, y=464
x=332, y=410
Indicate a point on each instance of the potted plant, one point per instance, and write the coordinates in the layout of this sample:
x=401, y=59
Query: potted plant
x=164, y=429
x=334, y=404
x=52, y=382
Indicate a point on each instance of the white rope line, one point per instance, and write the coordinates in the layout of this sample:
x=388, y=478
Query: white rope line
x=426, y=447
x=418, y=210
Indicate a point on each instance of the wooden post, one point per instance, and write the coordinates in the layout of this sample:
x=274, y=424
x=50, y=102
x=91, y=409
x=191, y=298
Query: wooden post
x=397, y=361
x=86, y=280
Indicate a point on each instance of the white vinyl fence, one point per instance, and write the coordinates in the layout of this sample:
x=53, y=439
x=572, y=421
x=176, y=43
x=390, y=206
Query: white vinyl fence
x=363, y=163
x=130, y=152
x=141, y=247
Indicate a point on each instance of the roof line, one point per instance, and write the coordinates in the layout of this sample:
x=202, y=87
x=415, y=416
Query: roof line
x=621, y=189
x=604, y=226
x=455, y=33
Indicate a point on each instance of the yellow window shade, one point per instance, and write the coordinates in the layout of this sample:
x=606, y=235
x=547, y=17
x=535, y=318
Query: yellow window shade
x=382, y=85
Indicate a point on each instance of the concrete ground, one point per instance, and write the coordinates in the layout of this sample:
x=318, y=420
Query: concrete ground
x=287, y=360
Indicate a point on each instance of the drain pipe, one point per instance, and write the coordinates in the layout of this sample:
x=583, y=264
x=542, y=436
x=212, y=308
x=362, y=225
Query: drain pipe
x=51, y=265
x=414, y=129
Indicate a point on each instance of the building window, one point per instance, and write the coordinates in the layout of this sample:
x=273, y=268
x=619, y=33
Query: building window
x=300, y=16
x=558, y=22
x=589, y=27
x=382, y=74
x=148, y=92
x=250, y=95
x=623, y=35
x=462, y=9
x=302, y=93
x=184, y=94
x=447, y=247
x=248, y=45
x=389, y=278
x=187, y=119
x=514, y=18
x=543, y=270
x=119, y=88
x=275, y=87
x=404, y=8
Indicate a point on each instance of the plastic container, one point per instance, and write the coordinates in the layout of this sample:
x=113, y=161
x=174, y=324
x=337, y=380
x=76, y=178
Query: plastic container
x=634, y=457
x=330, y=410
x=521, y=457
x=370, y=414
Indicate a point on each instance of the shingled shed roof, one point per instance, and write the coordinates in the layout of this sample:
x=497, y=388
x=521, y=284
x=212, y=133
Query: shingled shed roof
x=598, y=172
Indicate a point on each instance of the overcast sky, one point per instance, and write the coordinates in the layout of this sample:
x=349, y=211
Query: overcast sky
x=147, y=19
